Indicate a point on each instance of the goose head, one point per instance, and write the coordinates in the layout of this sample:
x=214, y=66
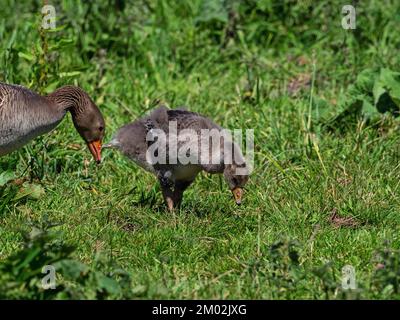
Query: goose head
x=236, y=176
x=91, y=127
x=86, y=116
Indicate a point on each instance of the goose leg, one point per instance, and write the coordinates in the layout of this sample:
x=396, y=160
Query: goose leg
x=168, y=198
x=179, y=189
x=166, y=187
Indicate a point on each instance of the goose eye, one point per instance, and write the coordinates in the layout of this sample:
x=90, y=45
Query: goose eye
x=101, y=129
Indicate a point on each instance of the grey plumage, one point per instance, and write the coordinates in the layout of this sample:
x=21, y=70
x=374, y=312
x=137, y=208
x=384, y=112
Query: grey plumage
x=174, y=177
x=20, y=119
x=25, y=115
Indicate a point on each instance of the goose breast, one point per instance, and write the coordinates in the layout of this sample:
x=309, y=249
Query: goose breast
x=24, y=115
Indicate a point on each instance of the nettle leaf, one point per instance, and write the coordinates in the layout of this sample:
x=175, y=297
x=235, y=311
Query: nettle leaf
x=5, y=177
x=392, y=81
x=72, y=269
x=369, y=110
x=108, y=284
x=386, y=91
x=365, y=81
x=378, y=91
x=373, y=93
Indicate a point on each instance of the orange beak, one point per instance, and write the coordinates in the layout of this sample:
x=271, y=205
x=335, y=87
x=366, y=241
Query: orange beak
x=95, y=149
x=237, y=195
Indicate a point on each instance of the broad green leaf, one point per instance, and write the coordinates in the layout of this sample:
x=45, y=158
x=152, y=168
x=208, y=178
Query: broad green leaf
x=5, y=177
x=30, y=190
x=72, y=269
x=386, y=91
x=365, y=81
x=378, y=90
x=368, y=108
x=391, y=81
x=108, y=284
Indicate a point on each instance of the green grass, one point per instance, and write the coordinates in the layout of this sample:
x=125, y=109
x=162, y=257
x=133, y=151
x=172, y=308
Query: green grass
x=130, y=60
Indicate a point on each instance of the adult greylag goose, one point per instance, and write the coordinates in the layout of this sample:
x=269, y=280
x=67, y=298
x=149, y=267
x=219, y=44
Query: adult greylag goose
x=24, y=115
x=151, y=140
